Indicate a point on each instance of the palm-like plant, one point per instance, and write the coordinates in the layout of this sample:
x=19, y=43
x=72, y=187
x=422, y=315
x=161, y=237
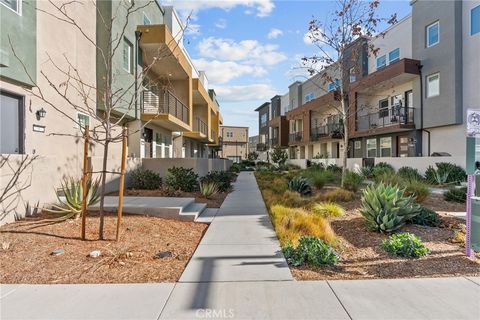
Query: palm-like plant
x=208, y=189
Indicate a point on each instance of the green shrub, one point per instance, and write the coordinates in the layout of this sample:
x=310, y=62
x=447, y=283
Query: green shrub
x=426, y=217
x=384, y=165
x=182, y=179
x=405, y=245
x=367, y=172
x=409, y=174
x=334, y=168
x=252, y=156
x=235, y=168
x=145, y=179
x=310, y=251
x=300, y=185
x=386, y=209
x=222, y=179
x=416, y=188
x=445, y=172
x=317, y=178
x=381, y=171
x=337, y=195
x=389, y=178
x=208, y=188
x=279, y=156
x=328, y=209
x=456, y=194
x=352, y=181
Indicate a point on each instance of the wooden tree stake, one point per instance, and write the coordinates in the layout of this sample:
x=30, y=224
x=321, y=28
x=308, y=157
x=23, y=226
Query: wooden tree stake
x=84, y=180
x=122, y=181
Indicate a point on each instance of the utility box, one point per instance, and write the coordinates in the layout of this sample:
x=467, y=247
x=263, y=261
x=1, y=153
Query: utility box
x=475, y=224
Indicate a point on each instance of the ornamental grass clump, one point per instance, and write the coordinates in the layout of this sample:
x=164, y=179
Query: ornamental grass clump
x=293, y=223
x=208, y=189
x=352, y=181
x=328, y=209
x=386, y=209
x=405, y=245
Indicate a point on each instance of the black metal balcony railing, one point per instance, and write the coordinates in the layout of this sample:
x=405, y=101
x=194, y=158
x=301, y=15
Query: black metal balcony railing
x=213, y=134
x=334, y=130
x=274, y=141
x=396, y=115
x=164, y=102
x=200, y=126
x=295, y=137
x=261, y=147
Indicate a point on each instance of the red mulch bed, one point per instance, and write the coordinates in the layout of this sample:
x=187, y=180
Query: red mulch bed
x=25, y=255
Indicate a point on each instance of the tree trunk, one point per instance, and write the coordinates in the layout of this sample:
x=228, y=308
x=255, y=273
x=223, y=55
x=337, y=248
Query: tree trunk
x=102, y=189
x=345, y=138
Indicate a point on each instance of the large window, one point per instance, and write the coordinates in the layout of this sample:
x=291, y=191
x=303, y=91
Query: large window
x=15, y=5
x=371, y=148
x=394, y=56
x=263, y=120
x=11, y=124
x=309, y=97
x=433, y=34
x=127, y=55
x=386, y=147
x=433, y=85
x=475, y=20
x=381, y=62
x=334, y=85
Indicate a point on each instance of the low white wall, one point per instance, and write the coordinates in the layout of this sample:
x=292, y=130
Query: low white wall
x=38, y=183
x=201, y=166
x=420, y=163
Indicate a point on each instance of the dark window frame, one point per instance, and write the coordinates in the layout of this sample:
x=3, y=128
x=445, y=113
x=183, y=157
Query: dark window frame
x=21, y=118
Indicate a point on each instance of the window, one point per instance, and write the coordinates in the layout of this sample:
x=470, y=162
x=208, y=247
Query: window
x=386, y=147
x=263, y=120
x=11, y=124
x=229, y=134
x=475, y=20
x=393, y=56
x=371, y=148
x=433, y=34
x=334, y=85
x=353, y=76
x=383, y=108
x=309, y=97
x=381, y=62
x=127, y=55
x=83, y=120
x=358, y=144
x=146, y=20
x=15, y=5
x=433, y=85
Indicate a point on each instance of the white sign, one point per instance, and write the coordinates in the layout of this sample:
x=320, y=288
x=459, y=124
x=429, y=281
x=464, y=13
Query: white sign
x=473, y=123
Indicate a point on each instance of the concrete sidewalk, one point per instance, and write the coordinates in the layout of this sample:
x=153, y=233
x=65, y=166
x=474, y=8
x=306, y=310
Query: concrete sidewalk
x=239, y=272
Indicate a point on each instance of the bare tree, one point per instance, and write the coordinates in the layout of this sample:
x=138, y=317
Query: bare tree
x=106, y=104
x=353, y=20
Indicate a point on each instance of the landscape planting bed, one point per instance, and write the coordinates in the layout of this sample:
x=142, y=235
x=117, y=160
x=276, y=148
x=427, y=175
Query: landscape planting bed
x=25, y=256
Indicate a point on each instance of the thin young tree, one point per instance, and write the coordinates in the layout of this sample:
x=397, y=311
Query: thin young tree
x=338, y=55
x=105, y=103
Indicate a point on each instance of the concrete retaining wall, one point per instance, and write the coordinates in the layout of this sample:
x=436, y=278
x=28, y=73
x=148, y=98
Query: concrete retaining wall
x=200, y=166
x=420, y=163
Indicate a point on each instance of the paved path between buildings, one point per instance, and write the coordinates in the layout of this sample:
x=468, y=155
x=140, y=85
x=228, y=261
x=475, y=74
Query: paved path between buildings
x=238, y=272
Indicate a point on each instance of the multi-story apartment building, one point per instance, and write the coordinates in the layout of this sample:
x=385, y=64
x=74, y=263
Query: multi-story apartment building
x=234, y=144
x=252, y=143
x=409, y=99
x=263, y=130
x=278, y=123
x=161, y=102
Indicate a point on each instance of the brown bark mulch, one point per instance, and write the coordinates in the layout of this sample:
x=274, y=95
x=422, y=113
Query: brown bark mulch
x=25, y=254
x=363, y=258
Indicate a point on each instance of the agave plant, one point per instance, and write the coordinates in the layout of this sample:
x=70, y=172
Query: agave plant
x=208, y=188
x=70, y=205
x=386, y=209
x=300, y=185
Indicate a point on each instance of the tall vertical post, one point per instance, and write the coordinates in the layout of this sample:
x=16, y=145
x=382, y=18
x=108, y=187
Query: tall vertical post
x=84, y=179
x=470, y=188
x=122, y=181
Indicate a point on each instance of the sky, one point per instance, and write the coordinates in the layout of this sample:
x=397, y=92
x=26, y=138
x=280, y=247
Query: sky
x=251, y=49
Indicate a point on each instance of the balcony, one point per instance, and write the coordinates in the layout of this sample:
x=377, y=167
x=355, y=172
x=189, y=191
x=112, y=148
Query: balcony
x=163, y=108
x=387, y=119
x=199, y=132
x=333, y=130
x=262, y=147
x=295, y=137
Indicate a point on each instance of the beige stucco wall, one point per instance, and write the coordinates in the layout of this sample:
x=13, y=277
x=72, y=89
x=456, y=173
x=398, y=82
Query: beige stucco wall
x=199, y=166
x=449, y=139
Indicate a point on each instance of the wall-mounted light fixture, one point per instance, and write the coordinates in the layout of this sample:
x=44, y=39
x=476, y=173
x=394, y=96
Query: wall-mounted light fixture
x=41, y=113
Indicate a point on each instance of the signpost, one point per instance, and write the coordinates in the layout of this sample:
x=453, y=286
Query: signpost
x=472, y=239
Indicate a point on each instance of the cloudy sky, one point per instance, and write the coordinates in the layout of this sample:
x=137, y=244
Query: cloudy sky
x=251, y=49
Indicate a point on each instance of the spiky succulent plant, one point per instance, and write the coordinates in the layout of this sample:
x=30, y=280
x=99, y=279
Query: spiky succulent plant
x=386, y=209
x=300, y=185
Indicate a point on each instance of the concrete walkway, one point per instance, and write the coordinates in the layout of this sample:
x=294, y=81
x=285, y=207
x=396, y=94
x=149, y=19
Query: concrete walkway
x=239, y=272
